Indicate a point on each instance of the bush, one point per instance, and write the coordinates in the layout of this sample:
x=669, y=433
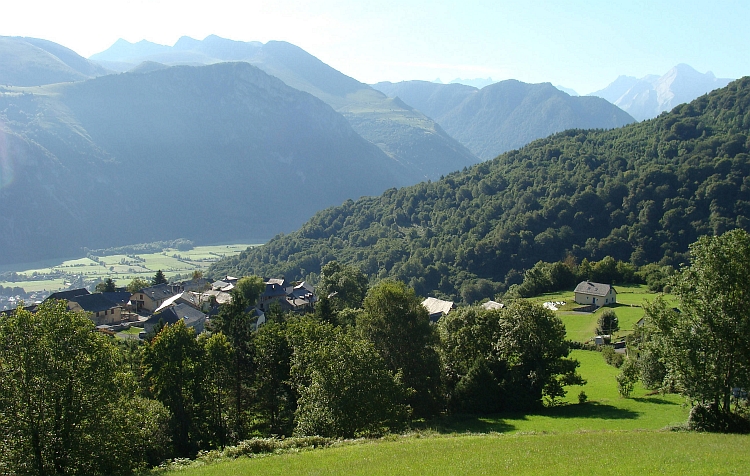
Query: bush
x=627, y=377
x=709, y=418
x=611, y=357
x=582, y=397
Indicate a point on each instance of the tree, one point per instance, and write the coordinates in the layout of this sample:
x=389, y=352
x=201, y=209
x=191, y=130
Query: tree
x=250, y=287
x=274, y=395
x=217, y=386
x=506, y=359
x=345, y=388
x=106, y=286
x=60, y=391
x=158, y=278
x=347, y=283
x=706, y=345
x=237, y=325
x=532, y=347
x=395, y=321
x=171, y=365
x=607, y=324
x=137, y=284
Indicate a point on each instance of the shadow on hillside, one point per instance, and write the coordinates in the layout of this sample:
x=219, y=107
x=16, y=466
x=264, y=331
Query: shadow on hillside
x=656, y=400
x=589, y=410
x=504, y=422
x=469, y=424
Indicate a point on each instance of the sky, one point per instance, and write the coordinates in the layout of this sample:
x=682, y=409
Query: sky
x=579, y=44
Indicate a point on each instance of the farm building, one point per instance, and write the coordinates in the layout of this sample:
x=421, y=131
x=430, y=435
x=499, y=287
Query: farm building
x=597, y=294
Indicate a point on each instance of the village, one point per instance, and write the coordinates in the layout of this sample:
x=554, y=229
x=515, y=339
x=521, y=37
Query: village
x=197, y=300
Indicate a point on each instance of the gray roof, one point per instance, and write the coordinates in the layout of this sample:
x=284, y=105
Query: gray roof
x=93, y=302
x=160, y=291
x=189, y=313
x=595, y=289
x=66, y=295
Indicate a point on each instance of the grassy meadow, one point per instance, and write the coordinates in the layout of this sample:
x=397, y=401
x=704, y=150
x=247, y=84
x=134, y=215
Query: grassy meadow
x=607, y=434
x=580, y=326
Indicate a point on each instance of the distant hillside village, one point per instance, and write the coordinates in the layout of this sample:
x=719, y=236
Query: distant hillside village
x=195, y=301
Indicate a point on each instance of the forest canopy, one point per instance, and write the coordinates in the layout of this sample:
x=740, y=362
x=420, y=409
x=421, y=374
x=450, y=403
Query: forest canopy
x=640, y=194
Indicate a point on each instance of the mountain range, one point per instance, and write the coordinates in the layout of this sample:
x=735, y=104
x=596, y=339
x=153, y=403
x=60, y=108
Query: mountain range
x=651, y=95
x=504, y=115
x=211, y=153
x=217, y=140
x=404, y=134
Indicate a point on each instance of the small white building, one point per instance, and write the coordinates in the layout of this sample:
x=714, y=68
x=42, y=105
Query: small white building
x=597, y=294
x=437, y=308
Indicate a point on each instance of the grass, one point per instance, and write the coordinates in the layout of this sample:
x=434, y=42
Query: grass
x=581, y=326
x=577, y=453
x=608, y=434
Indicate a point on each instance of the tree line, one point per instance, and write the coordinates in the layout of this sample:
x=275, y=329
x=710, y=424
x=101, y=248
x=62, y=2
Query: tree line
x=366, y=362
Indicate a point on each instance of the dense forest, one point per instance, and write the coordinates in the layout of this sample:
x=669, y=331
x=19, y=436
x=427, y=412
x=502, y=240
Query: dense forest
x=640, y=194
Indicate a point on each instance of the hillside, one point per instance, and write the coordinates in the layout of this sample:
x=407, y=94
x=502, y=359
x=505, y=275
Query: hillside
x=651, y=95
x=505, y=115
x=406, y=135
x=210, y=153
x=641, y=193
x=34, y=62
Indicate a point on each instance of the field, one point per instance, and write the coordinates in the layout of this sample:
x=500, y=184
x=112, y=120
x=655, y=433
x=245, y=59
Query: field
x=576, y=453
x=608, y=434
x=54, y=276
x=581, y=326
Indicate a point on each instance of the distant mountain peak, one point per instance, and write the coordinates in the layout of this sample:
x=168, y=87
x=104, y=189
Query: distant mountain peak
x=651, y=95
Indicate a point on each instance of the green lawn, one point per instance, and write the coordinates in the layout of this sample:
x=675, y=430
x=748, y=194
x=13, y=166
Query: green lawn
x=572, y=453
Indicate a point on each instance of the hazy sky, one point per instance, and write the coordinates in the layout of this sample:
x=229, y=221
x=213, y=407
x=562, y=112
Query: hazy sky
x=579, y=44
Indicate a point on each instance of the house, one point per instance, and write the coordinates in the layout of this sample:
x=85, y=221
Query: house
x=490, y=305
x=66, y=295
x=149, y=299
x=99, y=309
x=276, y=290
x=437, y=308
x=596, y=294
x=192, y=318
x=195, y=285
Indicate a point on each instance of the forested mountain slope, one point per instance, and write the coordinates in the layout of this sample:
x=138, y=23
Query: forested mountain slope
x=210, y=153
x=406, y=135
x=640, y=193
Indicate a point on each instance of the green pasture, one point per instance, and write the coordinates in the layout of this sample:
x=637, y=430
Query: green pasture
x=121, y=268
x=581, y=326
x=572, y=453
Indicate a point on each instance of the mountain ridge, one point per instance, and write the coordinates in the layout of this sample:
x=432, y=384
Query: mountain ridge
x=404, y=134
x=242, y=151
x=504, y=115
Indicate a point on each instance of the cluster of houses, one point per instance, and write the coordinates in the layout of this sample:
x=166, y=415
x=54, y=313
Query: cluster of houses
x=193, y=302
